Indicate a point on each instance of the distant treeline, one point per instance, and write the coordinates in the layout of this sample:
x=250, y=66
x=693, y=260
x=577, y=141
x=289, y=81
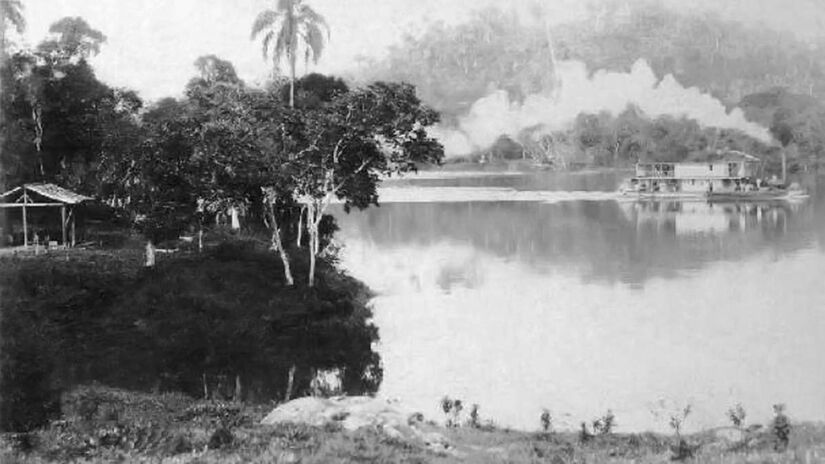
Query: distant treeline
x=604, y=140
x=774, y=77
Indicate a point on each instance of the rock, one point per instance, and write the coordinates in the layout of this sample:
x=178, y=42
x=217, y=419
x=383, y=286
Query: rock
x=351, y=412
x=355, y=412
x=729, y=434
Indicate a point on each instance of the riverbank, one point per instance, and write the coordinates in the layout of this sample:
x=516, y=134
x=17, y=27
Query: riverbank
x=218, y=324
x=99, y=424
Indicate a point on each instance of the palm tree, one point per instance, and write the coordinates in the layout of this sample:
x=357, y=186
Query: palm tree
x=291, y=23
x=11, y=11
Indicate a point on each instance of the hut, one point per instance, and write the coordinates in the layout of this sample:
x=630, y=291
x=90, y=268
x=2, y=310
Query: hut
x=28, y=205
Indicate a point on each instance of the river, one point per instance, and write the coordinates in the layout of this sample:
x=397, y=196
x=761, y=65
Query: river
x=520, y=292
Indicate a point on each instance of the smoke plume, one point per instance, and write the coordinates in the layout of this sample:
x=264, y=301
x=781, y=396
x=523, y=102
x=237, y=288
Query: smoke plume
x=495, y=115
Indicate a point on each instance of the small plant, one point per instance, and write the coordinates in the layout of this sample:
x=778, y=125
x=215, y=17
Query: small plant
x=447, y=407
x=584, y=434
x=678, y=419
x=475, y=419
x=546, y=421
x=457, y=408
x=781, y=427
x=605, y=424
x=452, y=409
x=737, y=415
x=682, y=450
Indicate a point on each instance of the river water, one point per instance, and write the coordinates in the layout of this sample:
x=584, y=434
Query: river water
x=521, y=292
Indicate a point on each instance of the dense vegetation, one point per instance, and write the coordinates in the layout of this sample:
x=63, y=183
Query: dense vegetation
x=214, y=323
x=184, y=163
x=222, y=318
x=774, y=77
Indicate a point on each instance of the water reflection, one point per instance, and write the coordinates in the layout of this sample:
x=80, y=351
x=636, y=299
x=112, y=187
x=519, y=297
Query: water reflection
x=694, y=218
x=607, y=241
x=582, y=306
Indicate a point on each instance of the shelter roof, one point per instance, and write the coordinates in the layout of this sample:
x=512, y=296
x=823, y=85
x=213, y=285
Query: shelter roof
x=51, y=191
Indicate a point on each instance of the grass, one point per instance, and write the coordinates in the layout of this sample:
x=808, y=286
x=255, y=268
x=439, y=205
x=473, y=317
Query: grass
x=100, y=424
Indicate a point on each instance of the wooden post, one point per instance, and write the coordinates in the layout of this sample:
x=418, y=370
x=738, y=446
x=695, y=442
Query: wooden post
x=74, y=219
x=289, y=382
x=63, y=223
x=25, y=222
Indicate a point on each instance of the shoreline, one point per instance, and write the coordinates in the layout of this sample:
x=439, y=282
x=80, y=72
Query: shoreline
x=101, y=424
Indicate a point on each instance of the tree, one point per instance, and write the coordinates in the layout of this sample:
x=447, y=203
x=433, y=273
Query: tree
x=62, y=121
x=291, y=23
x=796, y=121
x=11, y=12
x=72, y=39
x=239, y=148
x=314, y=90
x=212, y=70
x=344, y=147
x=159, y=180
x=54, y=86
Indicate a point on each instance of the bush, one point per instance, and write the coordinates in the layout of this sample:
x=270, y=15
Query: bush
x=781, y=428
x=546, y=421
x=605, y=424
x=199, y=323
x=737, y=415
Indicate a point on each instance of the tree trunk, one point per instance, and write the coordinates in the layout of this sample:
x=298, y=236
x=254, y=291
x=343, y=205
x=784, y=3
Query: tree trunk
x=237, y=396
x=235, y=221
x=312, y=226
x=300, y=226
x=290, y=380
x=278, y=245
x=150, y=253
x=292, y=80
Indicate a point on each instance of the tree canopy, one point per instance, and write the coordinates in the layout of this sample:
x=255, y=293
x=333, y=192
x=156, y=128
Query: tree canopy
x=285, y=28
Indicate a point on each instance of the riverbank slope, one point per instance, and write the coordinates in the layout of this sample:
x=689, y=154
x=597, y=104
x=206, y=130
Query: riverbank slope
x=101, y=424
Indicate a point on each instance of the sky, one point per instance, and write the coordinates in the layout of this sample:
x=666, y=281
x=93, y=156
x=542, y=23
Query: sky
x=152, y=44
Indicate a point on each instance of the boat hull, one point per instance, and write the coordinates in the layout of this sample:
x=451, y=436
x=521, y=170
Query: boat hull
x=766, y=195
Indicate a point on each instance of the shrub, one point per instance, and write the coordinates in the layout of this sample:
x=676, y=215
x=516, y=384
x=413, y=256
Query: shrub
x=217, y=323
x=781, y=427
x=474, y=420
x=452, y=409
x=605, y=424
x=546, y=421
x=737, y=415
x=584, y=434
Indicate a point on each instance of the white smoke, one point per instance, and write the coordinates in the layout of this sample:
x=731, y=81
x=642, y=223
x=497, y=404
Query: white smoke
x=495, y=115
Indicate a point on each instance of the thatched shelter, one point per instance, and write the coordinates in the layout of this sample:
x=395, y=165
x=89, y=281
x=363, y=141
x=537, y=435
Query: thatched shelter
x=31, y=199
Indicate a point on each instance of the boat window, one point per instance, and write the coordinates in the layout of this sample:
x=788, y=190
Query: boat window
x=710, y=166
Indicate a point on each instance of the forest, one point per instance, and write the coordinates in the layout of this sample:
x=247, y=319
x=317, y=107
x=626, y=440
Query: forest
x=775, y=78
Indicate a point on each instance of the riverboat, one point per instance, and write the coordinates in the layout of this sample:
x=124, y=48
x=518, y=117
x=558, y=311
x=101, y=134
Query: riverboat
x=728, y=176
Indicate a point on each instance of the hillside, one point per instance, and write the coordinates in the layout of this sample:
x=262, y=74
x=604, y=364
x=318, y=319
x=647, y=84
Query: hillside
x=458, y=69
x=454, y=66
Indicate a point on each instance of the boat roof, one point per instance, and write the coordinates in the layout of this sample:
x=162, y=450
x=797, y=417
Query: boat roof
x=728, y=155
x=704, y=157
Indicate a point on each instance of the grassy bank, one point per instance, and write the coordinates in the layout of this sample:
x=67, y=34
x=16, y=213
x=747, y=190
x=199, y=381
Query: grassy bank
x=218, y=324
x=99, y=424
